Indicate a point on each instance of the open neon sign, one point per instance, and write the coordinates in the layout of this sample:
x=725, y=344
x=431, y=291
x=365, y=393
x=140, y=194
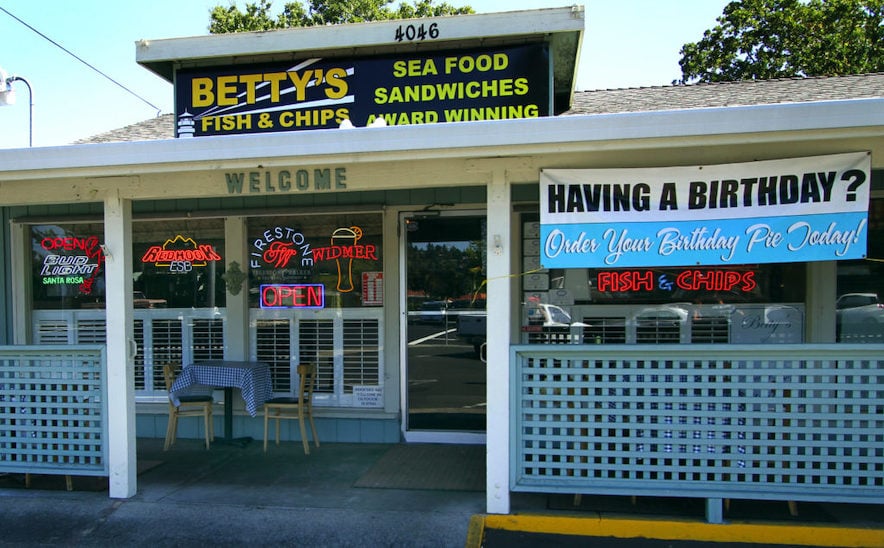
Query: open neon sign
x=292, y=296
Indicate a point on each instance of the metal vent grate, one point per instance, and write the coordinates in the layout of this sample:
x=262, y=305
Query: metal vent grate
x=604, y=330
x=139, y=358
x=657, y=329
x=91, y=331
x=208, y=339
x=274, y=346
x=710, y=329
x=166, y=341
x=550, y=335
x=52, y=332
x=316, y=345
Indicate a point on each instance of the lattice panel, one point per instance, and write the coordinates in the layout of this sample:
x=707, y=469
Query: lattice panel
x=51, y=413
x=361, y=353
x=698, y=425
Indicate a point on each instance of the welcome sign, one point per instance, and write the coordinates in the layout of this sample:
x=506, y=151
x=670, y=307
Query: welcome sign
x=794, y=210
x=419, y=88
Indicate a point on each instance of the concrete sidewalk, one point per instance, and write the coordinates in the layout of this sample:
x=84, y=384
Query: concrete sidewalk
x=233, y=496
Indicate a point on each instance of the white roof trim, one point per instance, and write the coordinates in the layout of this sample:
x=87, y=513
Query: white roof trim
x=465, y=140
x=157, y=54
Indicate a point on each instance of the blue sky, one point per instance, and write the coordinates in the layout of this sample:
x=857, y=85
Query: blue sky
x=627, y=43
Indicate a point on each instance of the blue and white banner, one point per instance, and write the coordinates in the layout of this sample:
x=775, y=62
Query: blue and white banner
x=775, y=211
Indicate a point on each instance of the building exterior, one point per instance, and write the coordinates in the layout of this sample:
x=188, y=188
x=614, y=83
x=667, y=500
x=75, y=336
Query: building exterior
x=475, y=185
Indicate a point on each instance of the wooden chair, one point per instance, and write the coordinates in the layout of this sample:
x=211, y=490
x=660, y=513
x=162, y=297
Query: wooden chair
x=192, y=405
x=285, y=407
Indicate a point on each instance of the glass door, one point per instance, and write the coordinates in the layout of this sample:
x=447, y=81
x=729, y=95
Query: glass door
x=444, y=395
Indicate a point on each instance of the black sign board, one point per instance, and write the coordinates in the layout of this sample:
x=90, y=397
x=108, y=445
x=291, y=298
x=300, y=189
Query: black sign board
x=429, y=88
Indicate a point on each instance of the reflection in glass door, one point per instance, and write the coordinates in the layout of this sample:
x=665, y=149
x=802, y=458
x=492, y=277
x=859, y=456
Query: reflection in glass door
x=445, y=274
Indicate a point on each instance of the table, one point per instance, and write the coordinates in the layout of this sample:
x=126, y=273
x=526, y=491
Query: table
x=252, y=378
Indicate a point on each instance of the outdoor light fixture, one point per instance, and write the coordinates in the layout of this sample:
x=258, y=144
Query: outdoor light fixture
x=347, y=124
x=7, y=94
x=7, y=97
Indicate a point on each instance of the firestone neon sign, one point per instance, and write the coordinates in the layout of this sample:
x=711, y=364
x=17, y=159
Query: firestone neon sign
x=282, y=247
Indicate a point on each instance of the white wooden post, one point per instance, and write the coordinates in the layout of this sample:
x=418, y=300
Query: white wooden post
x=497, y=465
x=236, y=328
x=120, y=347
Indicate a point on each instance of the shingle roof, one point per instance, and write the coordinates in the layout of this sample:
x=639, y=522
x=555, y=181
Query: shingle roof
x=161, y=127
x=645, y=99
x=729, y=94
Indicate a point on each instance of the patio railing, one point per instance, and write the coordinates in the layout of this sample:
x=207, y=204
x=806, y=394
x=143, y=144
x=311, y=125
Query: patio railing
x=53, y=412
x=775, y=422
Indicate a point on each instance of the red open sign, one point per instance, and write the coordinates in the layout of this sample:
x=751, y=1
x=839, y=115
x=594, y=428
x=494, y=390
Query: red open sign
x=292, y=296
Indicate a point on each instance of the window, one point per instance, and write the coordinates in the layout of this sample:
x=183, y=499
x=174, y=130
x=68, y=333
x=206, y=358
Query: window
x=178, y=263
x=316, y=296
x=761, y=303
x=859, y=309
x=67, y=270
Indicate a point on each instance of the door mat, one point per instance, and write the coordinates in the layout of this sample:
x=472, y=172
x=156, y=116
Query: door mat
x=428, y=466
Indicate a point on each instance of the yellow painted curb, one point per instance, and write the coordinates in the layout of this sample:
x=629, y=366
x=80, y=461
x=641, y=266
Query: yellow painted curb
x=804, y=535
x=476, y=532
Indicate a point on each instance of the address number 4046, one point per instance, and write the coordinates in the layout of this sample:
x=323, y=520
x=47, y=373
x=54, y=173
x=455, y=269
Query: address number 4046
x=411, y=33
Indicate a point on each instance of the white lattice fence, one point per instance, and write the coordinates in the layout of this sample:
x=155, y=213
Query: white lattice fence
x=53, y=410
x=789, y=422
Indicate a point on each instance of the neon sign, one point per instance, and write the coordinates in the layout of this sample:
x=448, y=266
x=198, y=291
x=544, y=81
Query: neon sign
x=283, y=247
x=180, y=254
x=716, y=280
x=292, y=296
x=617, y=281
x=277, y=246
x=343, y=250
x=72, y=269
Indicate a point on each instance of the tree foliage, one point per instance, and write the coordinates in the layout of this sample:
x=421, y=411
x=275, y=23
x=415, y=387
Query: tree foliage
x=442, y=271
x=762, y=39
x=258, y=15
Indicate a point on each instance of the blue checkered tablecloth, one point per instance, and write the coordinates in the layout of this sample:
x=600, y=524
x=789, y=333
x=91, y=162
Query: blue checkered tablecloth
x=253, y=378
